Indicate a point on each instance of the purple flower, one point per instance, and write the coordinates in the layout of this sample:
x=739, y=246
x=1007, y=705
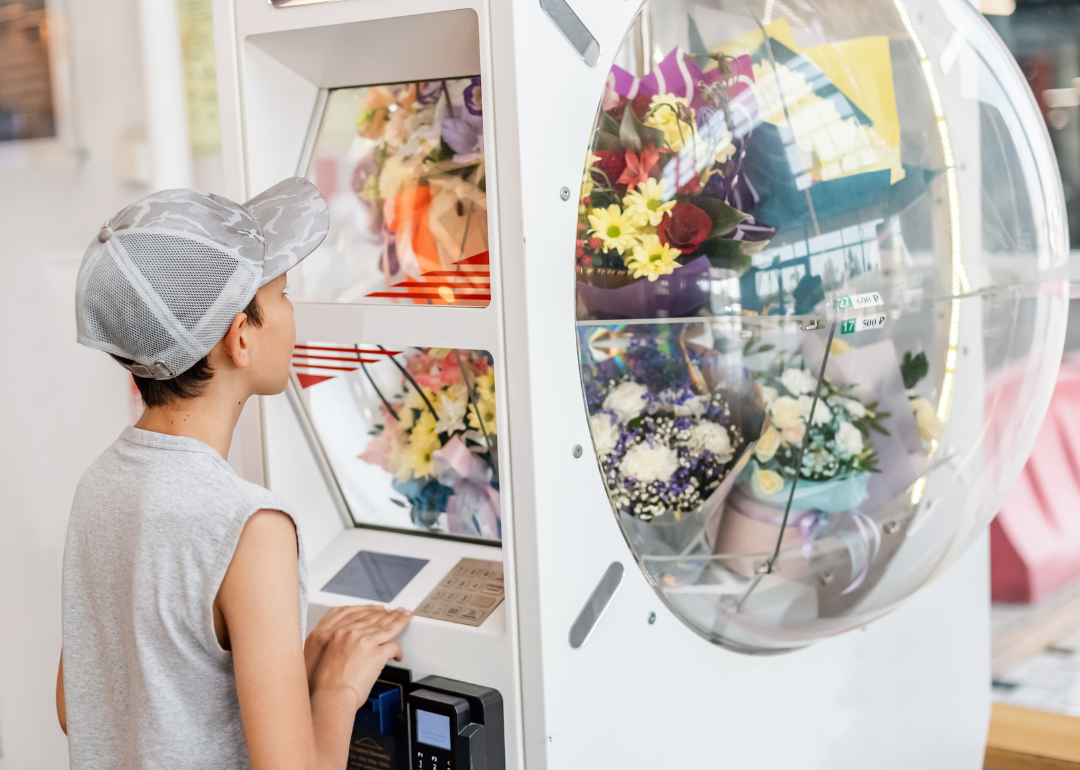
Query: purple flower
x=474, y=97
x=464, y=134
x=429, y=92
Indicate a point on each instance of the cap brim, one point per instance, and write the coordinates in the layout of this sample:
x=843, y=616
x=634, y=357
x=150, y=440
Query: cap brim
x=294, y=221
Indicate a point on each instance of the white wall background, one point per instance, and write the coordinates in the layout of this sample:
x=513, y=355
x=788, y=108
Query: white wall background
x=62, y=404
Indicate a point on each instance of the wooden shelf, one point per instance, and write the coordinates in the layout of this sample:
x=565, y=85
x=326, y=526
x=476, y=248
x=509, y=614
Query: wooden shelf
x=1025, y=739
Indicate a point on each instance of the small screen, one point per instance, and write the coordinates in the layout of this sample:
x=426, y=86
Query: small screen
x=375, y=576
x=433, y=729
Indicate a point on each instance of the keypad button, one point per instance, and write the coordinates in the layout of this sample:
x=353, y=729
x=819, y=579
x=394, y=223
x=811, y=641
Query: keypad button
x=440, y=609
x=438, y=594
x=453, y=596
x=470, y=614
x=482, y=601
x=495, y=590
x=448, y=582
x=426, y=607
x=452, y=611
x=475, y=585
x=461, y=583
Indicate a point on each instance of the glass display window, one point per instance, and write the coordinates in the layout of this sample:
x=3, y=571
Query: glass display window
x=401, y=167
x=410, y=435
x=820, y=300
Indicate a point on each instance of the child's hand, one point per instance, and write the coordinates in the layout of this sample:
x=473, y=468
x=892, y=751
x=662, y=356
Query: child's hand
x=361, y=615
x=356, y=644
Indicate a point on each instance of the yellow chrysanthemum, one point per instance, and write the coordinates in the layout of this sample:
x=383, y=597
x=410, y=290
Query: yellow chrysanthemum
x=651, y=258
x=485, y=404
x=665, y=112
x=423, y=442
x=646, y=203
x=614, y=227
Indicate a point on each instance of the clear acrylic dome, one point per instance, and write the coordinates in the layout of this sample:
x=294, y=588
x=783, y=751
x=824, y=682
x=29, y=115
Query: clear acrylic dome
x=821, y=300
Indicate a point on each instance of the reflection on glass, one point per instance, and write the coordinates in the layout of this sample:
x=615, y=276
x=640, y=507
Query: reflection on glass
x=410, y=435
x=819, y=296
x=402, y=169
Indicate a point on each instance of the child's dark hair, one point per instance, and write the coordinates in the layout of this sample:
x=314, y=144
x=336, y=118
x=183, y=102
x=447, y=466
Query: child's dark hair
x=191, y=383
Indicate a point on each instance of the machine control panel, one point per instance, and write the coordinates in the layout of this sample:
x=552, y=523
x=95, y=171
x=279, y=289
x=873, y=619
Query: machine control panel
x=455, y=726
x=468, y=594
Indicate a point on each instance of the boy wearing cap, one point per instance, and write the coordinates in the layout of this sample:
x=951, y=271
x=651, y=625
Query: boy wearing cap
x=185, y=587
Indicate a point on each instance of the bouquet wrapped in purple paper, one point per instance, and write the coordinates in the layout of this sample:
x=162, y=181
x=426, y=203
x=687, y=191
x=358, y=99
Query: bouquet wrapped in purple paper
x=663, y=191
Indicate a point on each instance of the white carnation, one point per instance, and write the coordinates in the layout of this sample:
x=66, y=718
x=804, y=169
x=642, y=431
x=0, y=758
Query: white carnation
x=710, y=437
x=692, y=407
x=605, y=433
x=649, y=463
x=930, y=427
x=627, y=401
x=849, y=438
x=785, y=412
x=768, y=395
x=798, y=381
x=822, y=413
x=851, y=406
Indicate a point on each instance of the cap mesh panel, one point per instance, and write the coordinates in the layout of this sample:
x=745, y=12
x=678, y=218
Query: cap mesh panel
x=203, y=288
x=116, y=314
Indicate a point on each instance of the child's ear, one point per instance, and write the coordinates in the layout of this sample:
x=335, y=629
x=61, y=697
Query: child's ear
x=236, y=344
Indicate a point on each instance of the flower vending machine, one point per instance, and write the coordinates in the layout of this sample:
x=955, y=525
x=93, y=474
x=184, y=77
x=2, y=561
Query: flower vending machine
x=653, y=350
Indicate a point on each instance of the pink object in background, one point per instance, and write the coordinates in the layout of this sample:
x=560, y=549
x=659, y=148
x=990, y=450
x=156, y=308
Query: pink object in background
x=1035, y=539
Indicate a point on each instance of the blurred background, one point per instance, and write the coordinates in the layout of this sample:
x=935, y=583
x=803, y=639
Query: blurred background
x=102, y=102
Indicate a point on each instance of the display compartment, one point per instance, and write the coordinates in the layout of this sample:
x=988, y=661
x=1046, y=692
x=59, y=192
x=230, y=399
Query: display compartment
x=409, y=436
x=820, y=301
x=402, y=169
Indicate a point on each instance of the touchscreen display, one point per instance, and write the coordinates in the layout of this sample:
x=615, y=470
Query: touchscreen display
x=433, y=729
x=375, y=576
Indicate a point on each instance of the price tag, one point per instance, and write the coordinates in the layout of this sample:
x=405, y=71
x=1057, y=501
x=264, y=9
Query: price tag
x=870, y=299
x=863, y=323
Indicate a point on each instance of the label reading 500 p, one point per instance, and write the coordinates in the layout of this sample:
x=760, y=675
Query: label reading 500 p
x=870, y=299
x=863, y=323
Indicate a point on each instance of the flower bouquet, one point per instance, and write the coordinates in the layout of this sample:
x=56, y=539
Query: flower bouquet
x=666, y=442
x=438, y=439
x=823, y=450
x=422, y=176
x=662, y=190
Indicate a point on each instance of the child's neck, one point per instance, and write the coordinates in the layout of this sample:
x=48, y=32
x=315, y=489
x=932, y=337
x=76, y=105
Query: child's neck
x=209, y=418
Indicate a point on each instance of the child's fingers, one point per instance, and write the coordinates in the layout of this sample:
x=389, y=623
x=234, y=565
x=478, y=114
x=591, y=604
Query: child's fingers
x=392, y=651
x=390, y=627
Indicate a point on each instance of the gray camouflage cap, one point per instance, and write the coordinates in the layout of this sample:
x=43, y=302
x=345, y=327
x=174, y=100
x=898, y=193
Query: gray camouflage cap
x=164, y=279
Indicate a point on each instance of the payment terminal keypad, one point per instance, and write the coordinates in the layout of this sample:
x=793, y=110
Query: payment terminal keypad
x=468, y=594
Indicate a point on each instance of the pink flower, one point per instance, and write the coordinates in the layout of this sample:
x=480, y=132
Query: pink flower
x=639, y=166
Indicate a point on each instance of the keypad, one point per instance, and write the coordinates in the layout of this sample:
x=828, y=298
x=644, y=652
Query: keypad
x=468, y=594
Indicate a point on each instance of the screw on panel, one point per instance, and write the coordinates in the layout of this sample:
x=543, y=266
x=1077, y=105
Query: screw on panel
x=564, y=193
x=578, y=451
x=652, y=618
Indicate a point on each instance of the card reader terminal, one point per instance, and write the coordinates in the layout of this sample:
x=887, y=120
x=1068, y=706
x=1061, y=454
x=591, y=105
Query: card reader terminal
x=455, y=726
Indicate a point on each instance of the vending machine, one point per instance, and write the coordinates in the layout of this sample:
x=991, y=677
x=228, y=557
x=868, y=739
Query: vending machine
x=655, y=348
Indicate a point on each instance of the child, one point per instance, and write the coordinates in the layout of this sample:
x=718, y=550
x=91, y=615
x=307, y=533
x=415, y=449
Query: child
x=185, y=587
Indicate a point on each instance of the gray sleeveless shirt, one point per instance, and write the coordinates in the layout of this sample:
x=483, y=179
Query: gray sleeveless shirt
x=153, y=529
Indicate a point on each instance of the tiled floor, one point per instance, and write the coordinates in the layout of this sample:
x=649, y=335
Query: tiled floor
x=1049, y=681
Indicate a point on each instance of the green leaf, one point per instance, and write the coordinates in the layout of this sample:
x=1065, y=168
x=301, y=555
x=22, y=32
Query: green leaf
x=628, y=133
x=635, y=135
x=395, y=501
x=605, y=140
x=731, y=254
x=725, y=218
x=914, y=369
x=766, y=348
x=608, y=124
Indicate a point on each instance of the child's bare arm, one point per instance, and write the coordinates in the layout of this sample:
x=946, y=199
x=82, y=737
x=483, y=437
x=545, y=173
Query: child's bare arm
x=61, y=704
x=286, y=728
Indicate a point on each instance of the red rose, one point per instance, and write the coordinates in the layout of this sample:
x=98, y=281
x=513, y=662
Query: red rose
x=684, y=227
x=612, y=163
x=640, y=106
